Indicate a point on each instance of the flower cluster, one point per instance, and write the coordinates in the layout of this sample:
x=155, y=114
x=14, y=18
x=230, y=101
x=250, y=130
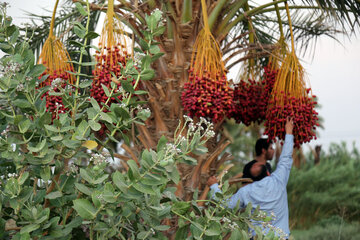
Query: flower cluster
x=10, y=68
x=9, y=175
x=278, y=232
x=230, y=224
x=5, y=131
x=97, y=158
x=73, y=169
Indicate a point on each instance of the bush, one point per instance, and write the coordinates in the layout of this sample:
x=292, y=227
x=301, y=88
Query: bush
x=330, y=188
x=328, y=229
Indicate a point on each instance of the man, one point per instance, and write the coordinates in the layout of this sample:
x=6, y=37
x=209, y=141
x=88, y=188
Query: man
x=269, y=193
x=264, y=152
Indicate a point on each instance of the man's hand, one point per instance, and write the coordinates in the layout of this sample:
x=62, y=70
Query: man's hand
x=289, y=126
x=212, y=180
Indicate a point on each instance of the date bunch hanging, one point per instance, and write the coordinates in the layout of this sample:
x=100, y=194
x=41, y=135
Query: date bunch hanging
x=291, y=98
x=207, y=93
x=251, y=98
x=57, y=62
x=110, y=60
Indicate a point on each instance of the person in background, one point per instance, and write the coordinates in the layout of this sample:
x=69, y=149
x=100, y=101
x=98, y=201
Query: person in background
x=268, y=192
x=264, y=151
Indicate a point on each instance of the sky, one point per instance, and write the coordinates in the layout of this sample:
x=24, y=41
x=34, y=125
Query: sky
x=333, y=72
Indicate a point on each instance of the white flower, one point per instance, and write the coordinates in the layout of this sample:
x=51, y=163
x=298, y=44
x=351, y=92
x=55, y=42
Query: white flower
x=56, y=83
x=192, y=127
x=97, y=158
x=20, y=87
x=187, y=118
x=210, y=134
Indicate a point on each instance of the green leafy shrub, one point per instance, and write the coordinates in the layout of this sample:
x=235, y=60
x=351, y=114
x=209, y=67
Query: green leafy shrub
x=56, y=181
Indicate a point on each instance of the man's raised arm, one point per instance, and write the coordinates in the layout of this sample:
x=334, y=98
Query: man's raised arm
x=283, y=168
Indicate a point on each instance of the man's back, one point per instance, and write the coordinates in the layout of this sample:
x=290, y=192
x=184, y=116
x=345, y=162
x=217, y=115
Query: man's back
x=269, y=193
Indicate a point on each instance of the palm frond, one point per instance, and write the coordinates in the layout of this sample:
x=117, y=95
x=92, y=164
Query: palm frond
x=345, y=13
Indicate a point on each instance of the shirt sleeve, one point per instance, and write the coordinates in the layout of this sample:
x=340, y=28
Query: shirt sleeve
x=283, y=168
x=231, y=202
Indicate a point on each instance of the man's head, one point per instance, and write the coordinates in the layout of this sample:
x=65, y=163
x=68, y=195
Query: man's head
x=264, y=147
x=255, y=170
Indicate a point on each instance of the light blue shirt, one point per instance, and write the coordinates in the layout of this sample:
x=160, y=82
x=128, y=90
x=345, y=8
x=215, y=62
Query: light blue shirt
x=270, y=192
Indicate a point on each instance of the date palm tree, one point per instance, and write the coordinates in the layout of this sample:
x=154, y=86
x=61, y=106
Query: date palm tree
x=246, y=32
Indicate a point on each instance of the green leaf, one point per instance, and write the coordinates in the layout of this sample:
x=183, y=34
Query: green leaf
x=84, y=208
x=101, y=179
x=159, y=31
x=22, y=103
x=82, y=129
x=5, y=47
x=154, y=49
x=24, y=125
x=45, y=173
x=57, y=138
x=86, y=64
x=79, y=32
x=121, y=112
x=213, y=230
x=134, y=169
x=51, y=128
x=127, y=86
x=141, y=92
x=145, y=62
x=157, y=56
x=144, y=188
x=85, y=175
x=143, y=115
x=181, y=207
x=143, y=44
x=94, y=125
x=14, y=36
x=24, y=236
x=80, y=9
x=106, y=117
x=82, y=188
x=38, y=147
x=174, y=175
x=37, y=70
x=106, y=90
x=162, y=227
x=54, y=195
x=151, y=22
x=71, y=143
x=85, y=84
x=200, y=150
x=109, y=193
x=95, y=104
x=91, y=35
x=29, y=228
x=235, y=235
x=78, y=44
x=95, y=197
x=147, y=74
x=23, y=178
x=182, y=233
x=162, y=143
x=119, y=181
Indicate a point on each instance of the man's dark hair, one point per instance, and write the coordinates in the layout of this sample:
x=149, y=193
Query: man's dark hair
x=262, y=143
x=247, y=171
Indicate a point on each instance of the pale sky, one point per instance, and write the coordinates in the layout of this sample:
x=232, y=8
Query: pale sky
x=334, y=75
